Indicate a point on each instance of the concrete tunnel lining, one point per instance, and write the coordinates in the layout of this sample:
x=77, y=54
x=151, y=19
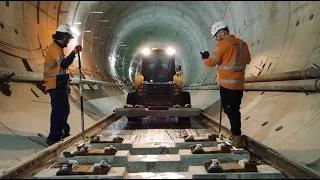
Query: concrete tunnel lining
x=282, y=36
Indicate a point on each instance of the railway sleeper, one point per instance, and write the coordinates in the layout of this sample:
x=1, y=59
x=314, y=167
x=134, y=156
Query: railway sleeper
x=181, y=163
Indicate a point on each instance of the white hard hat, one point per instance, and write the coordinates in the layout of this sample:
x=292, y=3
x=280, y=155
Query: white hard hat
x=217, y=26
x=65, y=28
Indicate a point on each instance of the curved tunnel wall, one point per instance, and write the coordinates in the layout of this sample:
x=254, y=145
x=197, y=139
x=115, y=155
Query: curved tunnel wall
x=282, y=36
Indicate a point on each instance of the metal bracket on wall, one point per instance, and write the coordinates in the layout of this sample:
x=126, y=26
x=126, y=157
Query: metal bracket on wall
x=5, y=86
x=63, y=12
x=42, y=50
x=91, y=88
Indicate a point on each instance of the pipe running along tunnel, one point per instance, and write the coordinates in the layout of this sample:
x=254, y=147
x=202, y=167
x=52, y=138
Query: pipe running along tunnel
x=281, y=36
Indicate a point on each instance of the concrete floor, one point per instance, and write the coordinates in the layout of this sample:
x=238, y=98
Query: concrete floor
x=282, y=35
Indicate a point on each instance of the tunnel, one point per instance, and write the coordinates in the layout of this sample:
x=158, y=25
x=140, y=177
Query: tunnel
x=282, y=36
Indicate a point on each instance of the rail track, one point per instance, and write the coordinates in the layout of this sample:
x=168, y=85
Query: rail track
x=158, y=149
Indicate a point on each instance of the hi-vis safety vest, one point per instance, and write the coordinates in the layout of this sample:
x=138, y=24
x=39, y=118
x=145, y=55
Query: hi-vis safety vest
x=177, y=80
x=231, y=56
x=52, y=67
x=138, y=80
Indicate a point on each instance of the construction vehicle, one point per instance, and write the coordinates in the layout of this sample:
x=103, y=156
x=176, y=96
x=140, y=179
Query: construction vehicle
x=158, y=89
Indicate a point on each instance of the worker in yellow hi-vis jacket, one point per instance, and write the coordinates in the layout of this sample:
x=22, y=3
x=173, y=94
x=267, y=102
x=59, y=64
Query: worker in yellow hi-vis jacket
x=56, y=80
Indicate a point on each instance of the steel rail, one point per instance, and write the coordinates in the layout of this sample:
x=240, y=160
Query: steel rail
x=288, y=167
x=36, y=163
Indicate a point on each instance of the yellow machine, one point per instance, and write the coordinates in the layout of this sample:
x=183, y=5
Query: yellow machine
x=158, y=89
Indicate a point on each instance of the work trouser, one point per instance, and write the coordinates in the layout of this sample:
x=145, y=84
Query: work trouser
x=60, y=110
x=231, y=101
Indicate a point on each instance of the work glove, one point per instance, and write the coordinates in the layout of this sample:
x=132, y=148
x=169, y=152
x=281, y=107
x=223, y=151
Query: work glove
x=205, y=54
x=77, y=49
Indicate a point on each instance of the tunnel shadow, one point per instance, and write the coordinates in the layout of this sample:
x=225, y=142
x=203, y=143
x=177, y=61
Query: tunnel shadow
x=91, y=94
x=162, y=123
x=159, y=125
x=15, y=142
x=213, y=109
x=308, y=153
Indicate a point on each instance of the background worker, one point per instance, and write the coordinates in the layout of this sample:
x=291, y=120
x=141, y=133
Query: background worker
x=177, y=79
x=56, y=78
x=231, y=55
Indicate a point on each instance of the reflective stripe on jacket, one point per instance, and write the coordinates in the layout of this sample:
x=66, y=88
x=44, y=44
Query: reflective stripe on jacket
x=231, y=56
x=53, y=75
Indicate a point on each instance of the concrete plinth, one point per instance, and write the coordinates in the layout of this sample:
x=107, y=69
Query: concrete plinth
x=154, y=175
x=125, y=145
x=153, y=148
x=114, y=173
x=181, y=144
x=188, y=156
x=264, y=172
x=121, y=157
x=156, y=163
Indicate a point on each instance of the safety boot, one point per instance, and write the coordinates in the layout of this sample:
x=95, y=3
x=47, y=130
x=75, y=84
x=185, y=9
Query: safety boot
x=50, y=142
x=65, y=133
x=237, y=141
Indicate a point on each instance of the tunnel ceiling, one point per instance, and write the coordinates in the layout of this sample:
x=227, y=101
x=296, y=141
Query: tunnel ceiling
x=180, y=24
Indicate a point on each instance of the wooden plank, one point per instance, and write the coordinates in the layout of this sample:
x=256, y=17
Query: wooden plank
x=108, y=140
x=82, y=169
x=235, y=167
x=89, y=170
x=228, y=167
x=95, y=151
x=198, y=138
x=98, y=152
x=213, y=150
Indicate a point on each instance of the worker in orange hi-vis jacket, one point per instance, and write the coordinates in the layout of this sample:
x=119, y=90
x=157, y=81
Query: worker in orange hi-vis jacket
x=231, y=55
x=56, y=79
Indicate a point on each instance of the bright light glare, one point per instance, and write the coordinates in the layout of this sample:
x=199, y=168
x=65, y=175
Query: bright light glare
x=171, y=51
x=74, y=41
x=149, y=158
x=145, y=51
x=75, y=31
